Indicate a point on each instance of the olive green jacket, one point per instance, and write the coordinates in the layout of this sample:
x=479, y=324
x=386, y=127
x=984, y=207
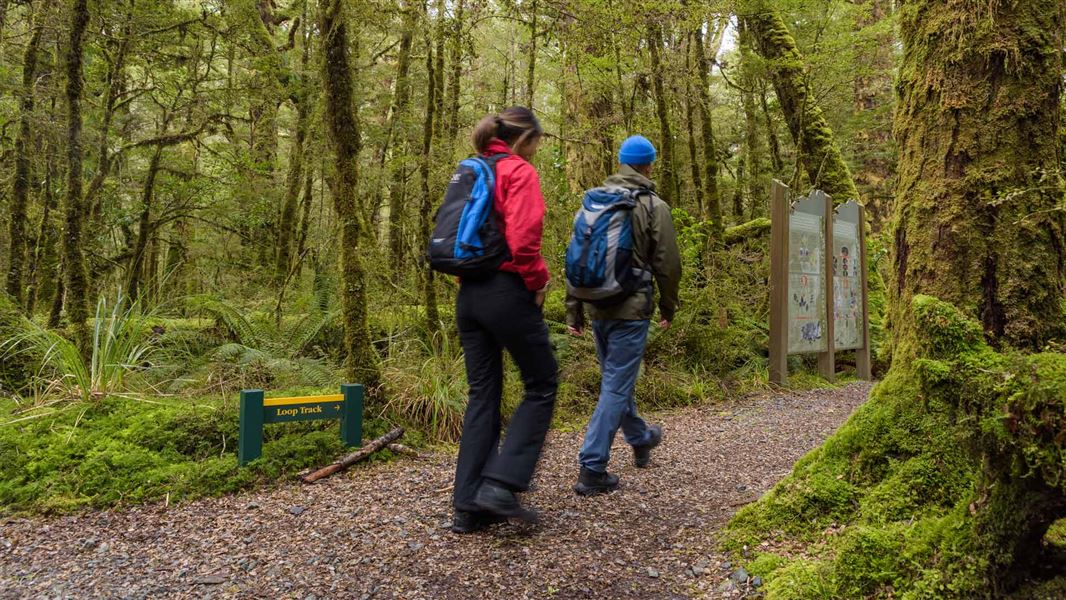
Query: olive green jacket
x=654, y=248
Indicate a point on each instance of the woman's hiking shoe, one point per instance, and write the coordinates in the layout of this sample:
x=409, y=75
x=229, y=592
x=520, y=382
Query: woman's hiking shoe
x=642, y=453
x=469, y=521
x=590, y=482
x=501, y=502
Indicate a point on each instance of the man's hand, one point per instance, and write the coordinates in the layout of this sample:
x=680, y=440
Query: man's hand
x=575, y=331
x=664, y=324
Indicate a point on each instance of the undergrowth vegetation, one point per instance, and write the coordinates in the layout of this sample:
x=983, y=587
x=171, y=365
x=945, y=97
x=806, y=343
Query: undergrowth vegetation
x=151, y=411
x=917, y=495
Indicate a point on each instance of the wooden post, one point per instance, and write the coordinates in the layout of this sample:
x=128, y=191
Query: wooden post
x=863, y=366
x=352, y=414
x=779, y=215
x=827, y=359
x=250, y=445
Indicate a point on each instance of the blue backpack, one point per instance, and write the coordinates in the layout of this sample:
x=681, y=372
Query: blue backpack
x=467, y=237
x=599, y=259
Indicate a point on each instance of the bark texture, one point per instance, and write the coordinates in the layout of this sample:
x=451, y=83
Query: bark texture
x=980, y=86
x=361, y=364
x=76, y=287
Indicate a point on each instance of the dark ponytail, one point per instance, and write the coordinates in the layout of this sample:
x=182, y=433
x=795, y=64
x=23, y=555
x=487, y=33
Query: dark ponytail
x=515, y=126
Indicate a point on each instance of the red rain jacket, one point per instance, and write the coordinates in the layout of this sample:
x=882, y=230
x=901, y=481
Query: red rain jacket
x=520, y=205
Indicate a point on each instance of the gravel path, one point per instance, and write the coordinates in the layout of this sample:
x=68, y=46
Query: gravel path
x=380, y=532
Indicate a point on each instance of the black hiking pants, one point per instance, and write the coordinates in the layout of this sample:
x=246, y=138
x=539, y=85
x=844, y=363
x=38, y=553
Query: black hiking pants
x=496, y=314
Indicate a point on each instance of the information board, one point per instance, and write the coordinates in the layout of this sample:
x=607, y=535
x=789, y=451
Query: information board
x=847, y=279
x=806, y=280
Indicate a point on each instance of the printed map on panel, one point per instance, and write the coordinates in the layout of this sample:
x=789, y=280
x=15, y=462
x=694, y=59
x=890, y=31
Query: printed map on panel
x=806, y=273
x=847, y=286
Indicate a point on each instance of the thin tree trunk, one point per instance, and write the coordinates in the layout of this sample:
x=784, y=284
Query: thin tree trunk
x=401, y=104
x=771, y=135
x=21, y=182
x=77, y=302
x=429, y=289
x=361, y=363
x=144, y=226
x=668, y=177
x=307, y=201
x=758, y=180
x=814, y=139
x=287, y=227
x=44, y=272
x=455, y=57
x=531, y=68
x=710, y=153
x=693, y=147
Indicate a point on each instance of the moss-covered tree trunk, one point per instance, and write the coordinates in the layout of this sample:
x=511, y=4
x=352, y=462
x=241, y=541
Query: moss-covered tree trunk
x=429, y=288
x=401, y=105
x=690, y=129
x=820, y=155
x=976, y=218
x=666, y=167
x=20, y=185
x=361, y=364
x=76, y=288
x=302, y=97
x=711, y=195
x=944, y=483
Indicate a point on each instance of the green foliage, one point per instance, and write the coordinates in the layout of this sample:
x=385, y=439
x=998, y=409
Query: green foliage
x=258, y=352
x=121, y=345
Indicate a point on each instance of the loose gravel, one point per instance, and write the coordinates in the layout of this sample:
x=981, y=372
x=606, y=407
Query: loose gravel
x=381, y=531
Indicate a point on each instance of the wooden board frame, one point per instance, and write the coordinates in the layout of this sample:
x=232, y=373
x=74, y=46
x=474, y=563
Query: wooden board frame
x=780, y=213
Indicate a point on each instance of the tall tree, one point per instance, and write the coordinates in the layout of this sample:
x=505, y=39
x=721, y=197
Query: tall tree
x=361, y=363
x=668, y=169
x=819, y=153
x=302, y=96
x=76, y=287
x=978, y=194
x=711, y=194
x=429, y=290
x=20, y=185
x=398, y=115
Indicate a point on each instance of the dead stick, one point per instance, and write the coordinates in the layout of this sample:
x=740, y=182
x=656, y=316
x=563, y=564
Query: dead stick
x=354, y=457
x=401, y=449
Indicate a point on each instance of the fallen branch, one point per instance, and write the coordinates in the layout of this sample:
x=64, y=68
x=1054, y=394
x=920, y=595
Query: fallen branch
x=354, y=457
x=406, y=450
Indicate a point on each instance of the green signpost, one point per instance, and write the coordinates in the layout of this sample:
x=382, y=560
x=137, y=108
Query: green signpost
x=257, y=411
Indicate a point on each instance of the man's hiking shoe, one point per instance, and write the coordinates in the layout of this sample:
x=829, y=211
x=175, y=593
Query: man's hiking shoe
x=642, y=453
x=590, y=482
x=501, y=502
x=468, y=521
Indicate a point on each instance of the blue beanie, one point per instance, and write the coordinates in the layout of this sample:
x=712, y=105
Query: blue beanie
x=636, y=150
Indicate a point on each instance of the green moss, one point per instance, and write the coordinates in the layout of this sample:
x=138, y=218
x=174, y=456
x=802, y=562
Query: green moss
x=940, y=486
x=756, y=228
x=127, y=451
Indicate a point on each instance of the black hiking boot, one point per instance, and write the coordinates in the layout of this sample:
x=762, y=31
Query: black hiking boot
x=642, y=453
x=590, y=482
x=469, y=521
x=501, y=502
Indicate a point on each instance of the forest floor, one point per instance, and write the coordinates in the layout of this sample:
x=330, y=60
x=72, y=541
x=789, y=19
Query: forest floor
x=381, y=531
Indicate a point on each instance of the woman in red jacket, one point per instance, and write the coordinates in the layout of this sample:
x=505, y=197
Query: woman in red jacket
x=505, y=312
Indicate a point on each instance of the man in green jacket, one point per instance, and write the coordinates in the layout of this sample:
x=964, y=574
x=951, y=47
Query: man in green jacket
x=621, y=329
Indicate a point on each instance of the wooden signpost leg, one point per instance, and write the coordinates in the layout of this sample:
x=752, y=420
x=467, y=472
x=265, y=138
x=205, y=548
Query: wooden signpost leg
x=352, y=414
x=827, y=359
x=779, y=284
x=250, y=445
x=863, y=366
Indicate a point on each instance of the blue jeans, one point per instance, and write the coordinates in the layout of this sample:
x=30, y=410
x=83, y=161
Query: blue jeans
x=620, y=348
